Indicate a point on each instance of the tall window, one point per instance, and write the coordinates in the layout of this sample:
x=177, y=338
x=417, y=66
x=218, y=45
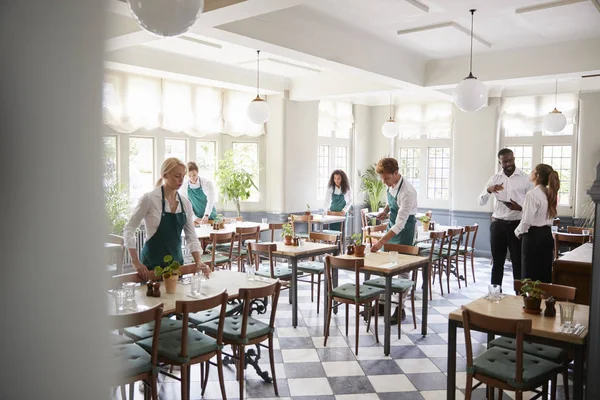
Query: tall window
x=523, y=157
x=323, y=170
x=176, y=148
x=438, y=175
x=110, y=158
x=246, y=154
x=341, y=158
x=206, y=158
x=409, y=159
x=141, y=167
x=559, y=157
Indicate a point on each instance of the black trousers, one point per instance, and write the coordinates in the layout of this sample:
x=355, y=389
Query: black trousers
x=538, y=254
x=502, y=237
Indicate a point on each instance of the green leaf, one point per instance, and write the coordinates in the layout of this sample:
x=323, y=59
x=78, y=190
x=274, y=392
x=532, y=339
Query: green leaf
x=167, y=259
x=158, y=271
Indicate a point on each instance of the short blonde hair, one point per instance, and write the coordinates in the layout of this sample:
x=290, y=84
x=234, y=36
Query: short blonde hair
x=387, y=165
x=167, y=166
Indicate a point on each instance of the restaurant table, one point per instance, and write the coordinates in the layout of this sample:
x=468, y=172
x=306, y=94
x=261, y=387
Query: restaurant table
x=322, y=220
x=204, y=231
x=379, y=264
x=293, y=254
x=575, y=269
x=544, y=330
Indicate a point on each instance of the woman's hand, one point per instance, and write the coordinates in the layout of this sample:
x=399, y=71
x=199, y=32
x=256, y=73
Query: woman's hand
x=142, y=270
x=381, y=215
x=204, y=268
x=375, y=248
x=204, y=220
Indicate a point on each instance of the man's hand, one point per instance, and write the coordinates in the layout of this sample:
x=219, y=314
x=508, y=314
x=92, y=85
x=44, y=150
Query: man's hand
x=495, y=188
x=376, y=247
x=204, y=268
x=381, y=215
x=513, y=205
x=197, y=221
x=142, y=270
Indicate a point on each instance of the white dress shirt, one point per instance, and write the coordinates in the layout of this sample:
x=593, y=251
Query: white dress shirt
x=535, y=211
x=149, y=209
x=515, y=187
x=207, y=187
x=337, y=190
x=407, y=203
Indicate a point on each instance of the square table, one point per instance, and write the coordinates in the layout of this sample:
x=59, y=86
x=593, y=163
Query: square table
x=203, y=231
x=543, y=330
x=379, y=264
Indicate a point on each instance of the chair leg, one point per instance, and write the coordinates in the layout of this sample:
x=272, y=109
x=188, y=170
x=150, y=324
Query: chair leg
x=242, y=353
x=202, y=380
x=356, y=332
x=412, y=306
x=312, y=288
x=185, y=378
x=220, y=373
x=272, y=361
x=566, y=382
x=204, y=375
x=518, y=395
x=440, y=272
x=318, y=291
x=545, y=391
x=430, y=284
x=376, y=317
x=553, y=382
x=500, y=394
x=472, y=266
x=153, y=386
x=490, y=390
x=465, y=268
x=329, y=309
x=457, y=271
x=469, y=387
x=347, y=312
x=448, y=267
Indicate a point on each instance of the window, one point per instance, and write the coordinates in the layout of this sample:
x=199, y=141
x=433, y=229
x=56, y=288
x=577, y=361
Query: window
x=323, y=170
x=438, y=177
x=335, y=119
x=110, y=159
x=523, y=157
x=206, y=158
x=176, y=148
x=409, y=159
x=141, y=167
x=433, y=121
x=246, y=154
x=341, y=158
x=559, y=157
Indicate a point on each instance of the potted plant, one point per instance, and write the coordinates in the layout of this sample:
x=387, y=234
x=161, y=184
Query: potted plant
x=425, y=220
x=372, y=186
x=359, y=247
x=307, y=212
x=234, y=180
x=288, y=234
x=219, y=222
x=169, y=273
x=532, y=296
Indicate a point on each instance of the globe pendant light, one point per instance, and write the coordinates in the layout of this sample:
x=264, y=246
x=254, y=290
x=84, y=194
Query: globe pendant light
x=470, y=94
x=258, y=110
x=166, y=18
x=555, y=121
x=390, y=127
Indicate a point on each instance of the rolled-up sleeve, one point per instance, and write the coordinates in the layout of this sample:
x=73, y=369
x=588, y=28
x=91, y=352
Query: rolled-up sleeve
x=140, y=211
x=211, y=196
x=191, y=239
x=406, y=201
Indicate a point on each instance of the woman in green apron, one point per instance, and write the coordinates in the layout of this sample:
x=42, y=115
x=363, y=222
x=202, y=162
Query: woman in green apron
x=201, y=194
x=166, y=214
x=338, y=198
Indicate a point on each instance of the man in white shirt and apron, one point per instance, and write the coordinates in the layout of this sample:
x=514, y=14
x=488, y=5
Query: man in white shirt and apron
x=509, y=187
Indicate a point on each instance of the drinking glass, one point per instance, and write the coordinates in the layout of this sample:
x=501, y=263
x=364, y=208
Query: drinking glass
x=195, y=284
x=265, y=221
x=119, y=300
x=129, y=288
x=250, y=272
x=393, y=256
x=494, y=293
x=453, y=223
x=566, y=314
x=554, y=229
x=585, y=232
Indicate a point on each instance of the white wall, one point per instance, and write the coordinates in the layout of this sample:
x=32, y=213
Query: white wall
x=589, y=146
x=274, y=165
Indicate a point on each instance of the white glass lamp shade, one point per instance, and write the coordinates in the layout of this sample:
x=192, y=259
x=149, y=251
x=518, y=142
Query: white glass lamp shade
x=555, y=121
x=389, y=129
x=166, y=18
x=471, y=94
x=258, y=111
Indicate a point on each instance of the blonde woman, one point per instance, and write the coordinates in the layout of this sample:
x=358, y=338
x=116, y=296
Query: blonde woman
x=166, y=214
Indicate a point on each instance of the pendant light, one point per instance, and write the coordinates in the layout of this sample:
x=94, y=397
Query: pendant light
x=258, y=110
x=555, y=121
x=470, y=94
x=166, y=18
x=390, y=127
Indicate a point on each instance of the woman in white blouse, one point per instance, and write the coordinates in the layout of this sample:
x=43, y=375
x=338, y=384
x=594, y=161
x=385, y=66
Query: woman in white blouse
x=338, y=198
x=535, y=229
x=166, y=214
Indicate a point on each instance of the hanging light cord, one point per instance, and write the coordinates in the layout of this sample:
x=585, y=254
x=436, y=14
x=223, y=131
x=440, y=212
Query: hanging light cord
x=390, y=106
x=257, y=71
x=556, y=93
x=471, y=60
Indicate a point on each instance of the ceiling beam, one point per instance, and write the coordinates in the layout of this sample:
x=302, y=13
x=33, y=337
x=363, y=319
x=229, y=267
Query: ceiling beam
x=333, y=85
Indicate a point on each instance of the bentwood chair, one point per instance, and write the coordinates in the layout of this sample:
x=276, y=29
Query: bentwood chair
x=468, y=250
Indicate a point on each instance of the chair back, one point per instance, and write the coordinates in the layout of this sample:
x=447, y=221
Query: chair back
x=185, y=307
x=302, y=219
x=244, y=234
x=512, y=327
x=247, y=295
x=120, y=259
x=363, y=218
x=273, y=228
x=559, y=292
x=437, y=244
x=401, y=248
x=568, y=239
x=352, y=264
x=253, y=256
x=454, y=238
x=327, y=238
x=221, y=238
x=579, y=230
x=471, y=233
x=372, y=229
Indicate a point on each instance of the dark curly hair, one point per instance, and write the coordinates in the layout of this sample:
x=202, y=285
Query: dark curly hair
x=345, y=186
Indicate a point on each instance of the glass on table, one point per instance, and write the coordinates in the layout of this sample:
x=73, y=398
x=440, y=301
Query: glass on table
x=393, y=256
x=494, y=293
x=250, y=272
x=585, y=232
x=453, y=223
x=265, y=221
x=567, y=310
x=554, y=229
x=195, y=284
x=119, y=296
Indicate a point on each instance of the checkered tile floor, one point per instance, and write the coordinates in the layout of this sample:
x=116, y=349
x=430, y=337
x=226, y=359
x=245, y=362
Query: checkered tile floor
x=415, y=369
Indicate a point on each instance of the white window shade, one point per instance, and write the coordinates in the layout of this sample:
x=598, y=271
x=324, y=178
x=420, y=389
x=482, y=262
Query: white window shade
x=178, y=115
x=236, y=121
x=432, y=120
x=209, y=107
x=111, y=101
x=142, y=104
x=523, y=116
x=335, y=118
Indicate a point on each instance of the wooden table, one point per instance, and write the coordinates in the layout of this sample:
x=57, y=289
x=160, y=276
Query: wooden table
x=543, y=330
x=204, y=231
x=575, y=269
x=379, y=264
x=322, y=220
x=293, y=254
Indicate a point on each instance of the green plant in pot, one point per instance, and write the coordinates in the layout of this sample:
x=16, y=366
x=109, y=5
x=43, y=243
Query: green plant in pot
x=234, y=179
x=359, y=247
x=372, y=187
x=169, y=273
x=425, y=220
x=219, y=222
x=532, y=296
x=307, y=212
x=288, y=233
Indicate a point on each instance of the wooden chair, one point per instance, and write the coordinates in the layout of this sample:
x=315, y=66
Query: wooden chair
x=559, y=292
x=400, y=285
x=468, y=250
x=273, y=228
x=579, y=229
x=186, y=347
x=272, y=270
x=435, y=253
x=302, y=219
x=503, y=368
x=244, y=235
x=569, y=240
x=120, y=258
x=221, y=250
x=317, y=267
x=373, y=229
x=242, y=330
x=364, y=223
x=350, y=293
x=450, y=254
x=132, y=363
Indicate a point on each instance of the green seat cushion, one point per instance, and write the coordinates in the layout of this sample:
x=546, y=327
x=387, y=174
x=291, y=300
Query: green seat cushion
x=499, y=363
x=466, y=249
x=129, y=360
x=551, y=353
x=116, y=340
x=331, y=232
x=144, y=331
x=423, y=245
x=232, y=329
x=348, y=291
x=311, y=267
x=398, y=284
x=219, y=258
x=169, y=345
x=280, y=272
x=213, y=313
x=223, y=247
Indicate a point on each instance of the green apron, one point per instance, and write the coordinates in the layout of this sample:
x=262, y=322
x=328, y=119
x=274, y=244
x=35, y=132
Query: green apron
x=407, y=234
x=198, y=199
x=338, y=202
x=167, y=239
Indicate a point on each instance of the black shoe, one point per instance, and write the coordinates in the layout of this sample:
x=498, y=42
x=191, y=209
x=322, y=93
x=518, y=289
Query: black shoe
x=394, y=319
x=381, y=309
x=403, y=314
